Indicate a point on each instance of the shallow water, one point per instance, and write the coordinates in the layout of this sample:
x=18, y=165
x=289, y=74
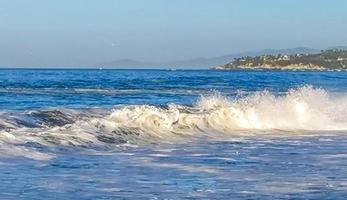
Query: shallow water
x=157, y=134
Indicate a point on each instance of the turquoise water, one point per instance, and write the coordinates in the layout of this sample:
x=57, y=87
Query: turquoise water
x=159, y=134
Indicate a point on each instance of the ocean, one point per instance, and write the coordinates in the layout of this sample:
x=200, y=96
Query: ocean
x=163, y=134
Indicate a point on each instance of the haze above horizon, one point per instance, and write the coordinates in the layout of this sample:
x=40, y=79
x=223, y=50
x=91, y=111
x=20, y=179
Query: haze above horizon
x=84, y=32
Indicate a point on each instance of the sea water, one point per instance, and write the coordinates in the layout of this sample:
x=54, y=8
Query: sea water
x=184, y=134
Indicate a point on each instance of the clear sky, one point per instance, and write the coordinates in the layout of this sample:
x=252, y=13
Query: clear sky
x=84, y=32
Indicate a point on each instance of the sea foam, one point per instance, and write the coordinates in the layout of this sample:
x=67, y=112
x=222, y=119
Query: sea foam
x=305, y=108
x=301, y=109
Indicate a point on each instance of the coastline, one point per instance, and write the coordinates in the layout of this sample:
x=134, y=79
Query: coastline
x=294, y=68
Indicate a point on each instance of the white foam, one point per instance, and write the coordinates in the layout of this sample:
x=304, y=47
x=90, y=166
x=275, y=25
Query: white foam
x=301, y=109
x=305, y=108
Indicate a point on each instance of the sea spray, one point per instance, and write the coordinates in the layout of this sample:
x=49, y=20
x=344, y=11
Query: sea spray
x=305, y=108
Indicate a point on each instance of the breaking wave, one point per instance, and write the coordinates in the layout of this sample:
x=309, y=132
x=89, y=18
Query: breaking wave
x=305, y=108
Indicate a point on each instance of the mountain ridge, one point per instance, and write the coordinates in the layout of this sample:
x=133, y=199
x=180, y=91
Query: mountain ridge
x=204, y=62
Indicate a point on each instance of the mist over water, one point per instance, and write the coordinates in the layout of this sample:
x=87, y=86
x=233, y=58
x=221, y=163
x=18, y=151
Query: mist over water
x=224, y=133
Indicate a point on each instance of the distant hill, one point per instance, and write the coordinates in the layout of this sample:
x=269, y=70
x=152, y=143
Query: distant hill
x=334, y=59
x=209, y=62
x=339, y=47
x=204, y=62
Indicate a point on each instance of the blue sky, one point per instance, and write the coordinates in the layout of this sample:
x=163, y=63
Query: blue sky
x=84, y=32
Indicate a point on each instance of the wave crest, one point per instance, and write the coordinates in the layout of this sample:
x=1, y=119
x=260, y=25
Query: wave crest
x=305, y=108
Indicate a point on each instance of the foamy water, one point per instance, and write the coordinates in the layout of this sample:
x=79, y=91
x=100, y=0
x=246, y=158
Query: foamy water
x=163, y=134
x=301, y=109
